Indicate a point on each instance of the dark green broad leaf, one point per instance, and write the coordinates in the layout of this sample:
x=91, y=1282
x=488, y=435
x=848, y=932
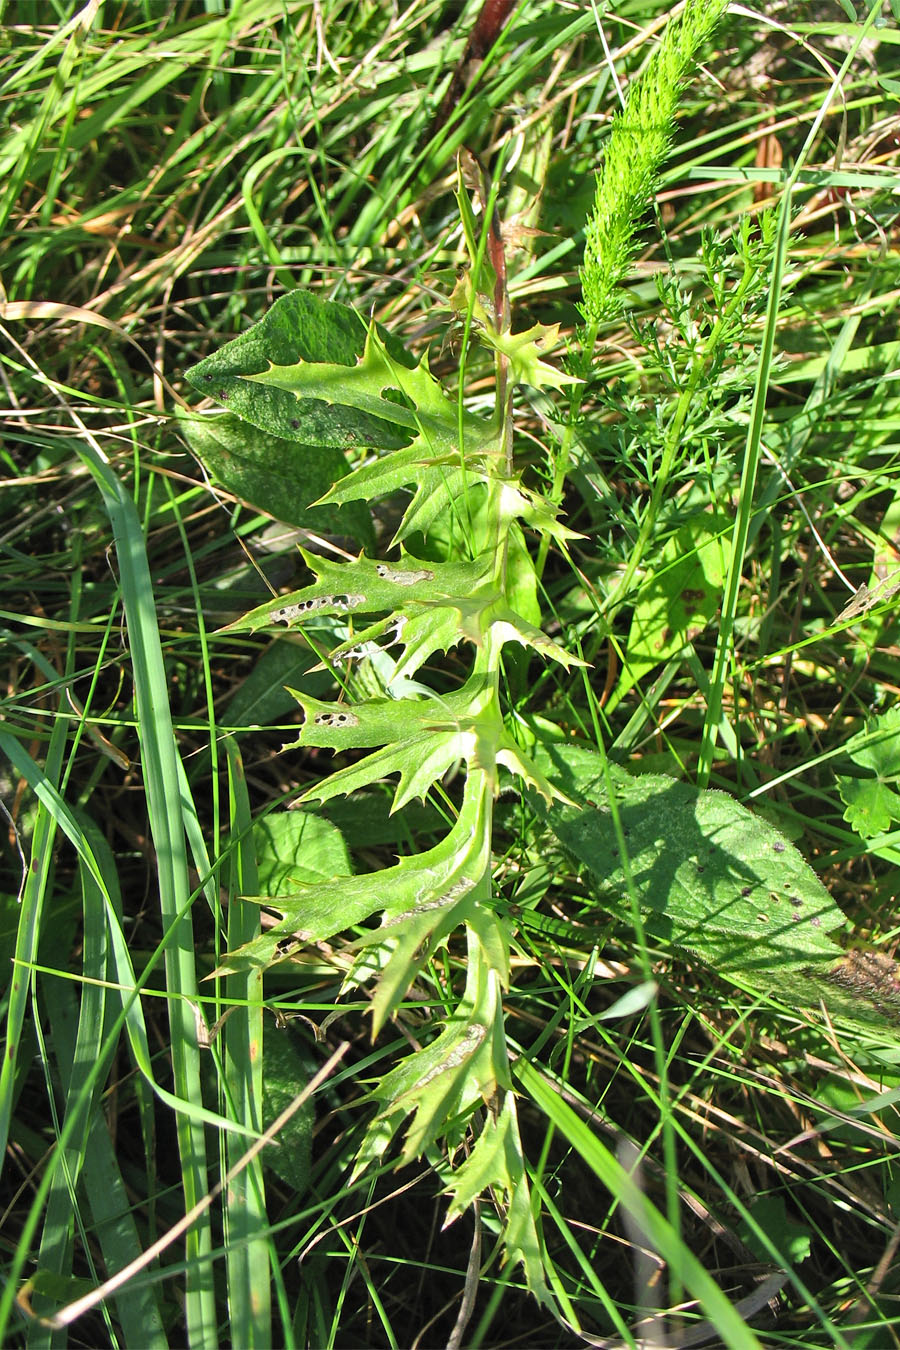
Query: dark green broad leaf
x=287, y=1067
x=718, y=882
x=299, y=328
x=792, y=1238
x=294, y=848
x=282, y=477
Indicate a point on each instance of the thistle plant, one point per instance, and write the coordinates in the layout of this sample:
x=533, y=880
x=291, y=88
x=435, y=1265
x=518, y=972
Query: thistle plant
x=698, y=868
x=565, y=960
x=459, y=466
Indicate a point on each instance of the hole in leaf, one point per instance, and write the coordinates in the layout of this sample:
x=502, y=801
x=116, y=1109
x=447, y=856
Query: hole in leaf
x=336, y=720
x=403, y=578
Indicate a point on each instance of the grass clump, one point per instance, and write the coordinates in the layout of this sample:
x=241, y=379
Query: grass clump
x=511, y=940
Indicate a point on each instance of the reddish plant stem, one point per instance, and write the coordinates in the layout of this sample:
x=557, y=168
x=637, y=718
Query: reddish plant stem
x=485, y=31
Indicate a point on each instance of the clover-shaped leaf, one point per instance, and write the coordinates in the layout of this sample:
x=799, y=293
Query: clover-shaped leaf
x=870, y=794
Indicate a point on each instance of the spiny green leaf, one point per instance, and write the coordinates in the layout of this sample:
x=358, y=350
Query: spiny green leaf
x=441, y=483
x=316, y=911
x=410, y=935
x=497, y=1163
x=422, y=407
x=520, y=503
x=421, y=740
x=441, y=1084
x=421, y=761
x=391, y=957
x=433, y=606
x=380, y=721
x=380, y=477
x=509, y=627
x=513, y=758
x=525, y=351
x=367, y=586
x=455, y=483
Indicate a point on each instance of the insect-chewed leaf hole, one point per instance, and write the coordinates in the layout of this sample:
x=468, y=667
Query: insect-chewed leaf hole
x=401, y=578
x=336, y=719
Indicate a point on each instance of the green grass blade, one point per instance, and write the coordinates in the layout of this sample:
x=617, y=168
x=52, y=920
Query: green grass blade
x=245, y=1213
x=161, y=779
x=749, y=469
x=752, y=451
x=659, y=1234
x=28, y=928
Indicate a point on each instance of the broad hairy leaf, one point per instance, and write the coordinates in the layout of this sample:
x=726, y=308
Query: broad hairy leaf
x=294, y=848
x=276, y=475
x=717, y=881
x=770, y=1213
x=298, y=328
x=287, y=1064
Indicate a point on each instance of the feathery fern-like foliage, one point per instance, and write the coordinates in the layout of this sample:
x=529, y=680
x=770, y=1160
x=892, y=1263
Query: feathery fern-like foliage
x=639, y=141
